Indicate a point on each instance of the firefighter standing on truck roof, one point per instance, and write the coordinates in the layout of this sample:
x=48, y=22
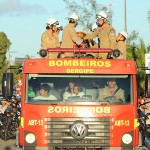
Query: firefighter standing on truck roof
x=50, y=38
x=121, y=44
x=69, y=35
x=105, y=33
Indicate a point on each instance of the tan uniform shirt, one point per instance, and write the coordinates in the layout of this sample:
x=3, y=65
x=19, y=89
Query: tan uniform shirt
x=104, y=92
x=107, y=37
x=121, y=45
x=69, y=37
x=49, y=40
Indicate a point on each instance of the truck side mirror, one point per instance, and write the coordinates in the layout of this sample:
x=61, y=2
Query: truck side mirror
x=7, y=85
x=147, y=86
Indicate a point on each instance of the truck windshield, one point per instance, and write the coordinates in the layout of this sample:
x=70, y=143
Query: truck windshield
x=74, y=89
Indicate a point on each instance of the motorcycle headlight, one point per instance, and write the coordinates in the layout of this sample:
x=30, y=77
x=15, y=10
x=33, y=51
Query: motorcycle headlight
x=126, y=138
x=30, y=138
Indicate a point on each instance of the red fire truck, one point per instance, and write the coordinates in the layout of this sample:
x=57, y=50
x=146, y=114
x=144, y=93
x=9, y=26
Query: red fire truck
x=78, y=122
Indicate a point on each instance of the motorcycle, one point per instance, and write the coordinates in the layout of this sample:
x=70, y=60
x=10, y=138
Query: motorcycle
x=9, y=118
x=144, y=125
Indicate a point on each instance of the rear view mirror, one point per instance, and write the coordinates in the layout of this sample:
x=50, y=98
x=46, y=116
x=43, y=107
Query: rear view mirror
x=7, y=85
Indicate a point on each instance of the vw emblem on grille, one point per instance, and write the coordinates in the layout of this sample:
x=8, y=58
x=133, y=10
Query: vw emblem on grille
x=78, y=130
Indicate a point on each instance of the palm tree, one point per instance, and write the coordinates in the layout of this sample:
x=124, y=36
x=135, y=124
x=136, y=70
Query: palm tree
x=141, y=64
x=137, y=53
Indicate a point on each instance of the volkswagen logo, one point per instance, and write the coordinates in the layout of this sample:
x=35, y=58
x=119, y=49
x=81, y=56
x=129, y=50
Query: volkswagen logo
x=78, y=130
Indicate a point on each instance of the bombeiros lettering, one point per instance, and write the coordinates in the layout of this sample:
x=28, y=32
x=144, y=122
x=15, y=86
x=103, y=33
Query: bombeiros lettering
x=80, y=63
x=78, y=110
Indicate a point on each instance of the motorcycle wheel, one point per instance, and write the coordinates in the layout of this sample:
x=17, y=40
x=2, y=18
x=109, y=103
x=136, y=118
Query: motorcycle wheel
x=4, y=133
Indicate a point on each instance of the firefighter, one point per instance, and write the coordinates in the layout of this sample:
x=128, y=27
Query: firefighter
x=121, y=44
x=111, y=92
x=105, y=33
x=50, y=38
x=69, y=35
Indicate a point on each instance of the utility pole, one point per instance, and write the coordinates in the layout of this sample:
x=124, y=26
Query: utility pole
x=125, y=19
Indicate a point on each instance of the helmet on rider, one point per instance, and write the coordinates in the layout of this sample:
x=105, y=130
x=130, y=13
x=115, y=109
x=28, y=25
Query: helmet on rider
x=124, y=34
x=73, y=18
x=101, y=15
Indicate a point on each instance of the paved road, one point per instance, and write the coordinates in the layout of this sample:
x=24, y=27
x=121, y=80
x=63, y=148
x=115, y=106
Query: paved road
x=7, y=145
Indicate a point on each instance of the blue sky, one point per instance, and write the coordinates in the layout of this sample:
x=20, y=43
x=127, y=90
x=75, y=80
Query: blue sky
x=24, y=21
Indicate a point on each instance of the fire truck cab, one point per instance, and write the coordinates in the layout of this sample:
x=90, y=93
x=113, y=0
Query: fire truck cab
x=80, y=121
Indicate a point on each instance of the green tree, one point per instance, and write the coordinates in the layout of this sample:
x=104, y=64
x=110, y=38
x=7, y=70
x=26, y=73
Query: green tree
x=140, y=60
x=4, y=47
x=4, y=63
x=148, y=49
x=137, y=52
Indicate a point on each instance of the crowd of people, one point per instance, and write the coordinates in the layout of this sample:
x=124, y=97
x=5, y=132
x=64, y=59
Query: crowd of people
x=101, y=30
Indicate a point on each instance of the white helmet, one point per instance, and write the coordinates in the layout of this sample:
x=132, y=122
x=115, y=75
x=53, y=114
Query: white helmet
x=74, y=16
x=52, y=21
x=94, y=27
x=124, y=34
x=101, y=15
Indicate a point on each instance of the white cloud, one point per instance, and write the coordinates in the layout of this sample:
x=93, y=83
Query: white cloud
x=18, y=7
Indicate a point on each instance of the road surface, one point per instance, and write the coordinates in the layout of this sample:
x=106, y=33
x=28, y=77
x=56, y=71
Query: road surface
x=7, y=145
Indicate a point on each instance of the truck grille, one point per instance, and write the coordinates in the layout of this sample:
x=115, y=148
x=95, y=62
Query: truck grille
x=59, y=135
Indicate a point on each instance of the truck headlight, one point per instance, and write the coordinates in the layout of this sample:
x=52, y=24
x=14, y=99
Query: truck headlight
x=126, y=138
x=30, y=138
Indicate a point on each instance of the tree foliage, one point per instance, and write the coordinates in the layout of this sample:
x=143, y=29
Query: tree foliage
x=4, y=47
x=141, y=51
x=4, y=63
x=86, y=10
x=132, y=38
x=137, y=53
